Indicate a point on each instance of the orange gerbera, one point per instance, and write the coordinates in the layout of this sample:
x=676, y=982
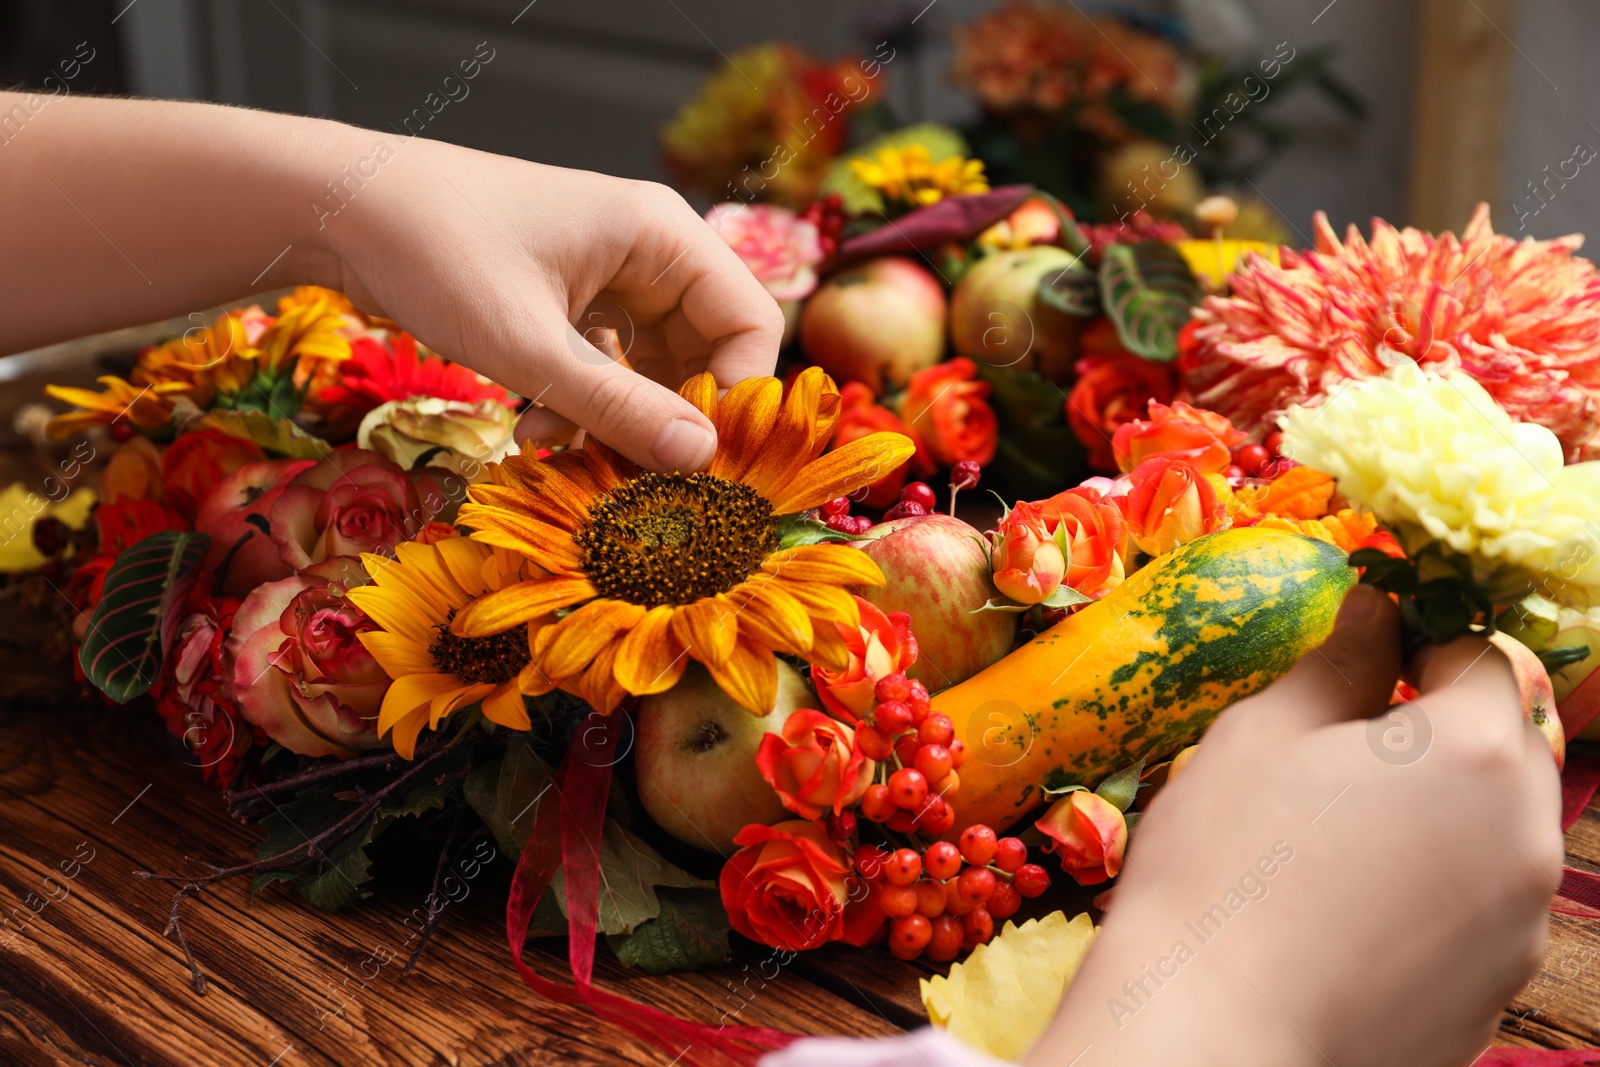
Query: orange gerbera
x=646, y=571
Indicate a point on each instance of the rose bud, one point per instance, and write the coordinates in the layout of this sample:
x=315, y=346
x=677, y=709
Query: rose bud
x=1088, y=834
x=1028, y=563
x=1170, y=504
x=881, y=645
x=814, y=764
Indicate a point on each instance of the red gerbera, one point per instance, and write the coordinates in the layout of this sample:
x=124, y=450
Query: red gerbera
x=376, y=373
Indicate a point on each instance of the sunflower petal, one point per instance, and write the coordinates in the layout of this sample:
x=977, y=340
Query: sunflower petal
x=517, y=605
x=412, y=693
x=858, y=464
x=395, y=608
x=404, y=734
x=577, y=639
x=397, y=654
x=773, y=618
x=793, y=440
x=750, y=677
x=505, y=707
x=544, y=503
x=708, y=628
x=650, y=659
x=449, y=703
x=745, y=419
x=599, y=686
x=828, y=648
x=549, y=546
x=701, y=391
x=825, y=602
x=829, y=564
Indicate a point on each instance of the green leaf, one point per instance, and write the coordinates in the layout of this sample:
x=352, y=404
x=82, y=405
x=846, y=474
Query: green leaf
x=1038, y=452
x=523, y=783
x=1122, y=787
x=276, y=436
x=799, y=530
x=1065, y=597
x=1148, y=290
x=334, y=880
x=135, y=621
x=1002, y=604
x=266, y=878
x=1559, y=656
x=630, y=871
x=1074, y=291
x=690, y=932
x=440, y=786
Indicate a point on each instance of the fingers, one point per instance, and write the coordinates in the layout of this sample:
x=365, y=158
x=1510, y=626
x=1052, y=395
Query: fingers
x=1350, y=676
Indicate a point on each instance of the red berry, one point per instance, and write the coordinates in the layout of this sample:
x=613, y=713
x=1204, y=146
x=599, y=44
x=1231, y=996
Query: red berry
x=934, y=762
x=1010, y=853
x=841, y=826
x=897, y=901
x=909, y=936
x=122, y=432
x=919, y=493
x=978, y=927
x=976, y=884
x=1251, y=458
x=945, y=943
x=956, y=904
x=874, y=743
x=938, y=818
x=868, y=861
x=958, y=753
x=841, y=523
x=918, y=699
x=1234, y=474
x=902, y=822
x=1031, y=879
x=1274, y=442
x=902, y=868
x=964, y=475
x=936, y=729
x=860, y=524
x=877, y=805
x=1004, y=902
x=892, y=716
x=978, y=845
x=894, y=686
x=906, y=749
x=906, y=509
x=839, y=505
x=941, y=861
x=908, y=788
x=930, y=898
x=950, y=785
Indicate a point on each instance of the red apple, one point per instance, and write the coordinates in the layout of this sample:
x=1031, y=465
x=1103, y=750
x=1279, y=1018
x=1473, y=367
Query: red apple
x=1538, y=696
x=235, y=514
x=877, y=322
x=696, y=765
x=996, y=315
x=939, y=575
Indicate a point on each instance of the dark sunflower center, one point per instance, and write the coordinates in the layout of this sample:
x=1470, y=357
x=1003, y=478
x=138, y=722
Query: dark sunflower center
x=494, y=660
x=675, y=538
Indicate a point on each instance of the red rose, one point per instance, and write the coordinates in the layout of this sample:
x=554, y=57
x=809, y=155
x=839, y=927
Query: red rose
x=300, y=672
x=787, y=887
x=192, y=697
x=1171, y=504
x=881, y=645
x=859, y=415
x=354, y=501
x=1204, y=438
x=1089, y=835
x=1112, y=390
x=196, y=463
x=814, y=765
x=947, y=413
x=1096, y=536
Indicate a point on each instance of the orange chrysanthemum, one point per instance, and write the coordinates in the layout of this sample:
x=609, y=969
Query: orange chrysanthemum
x=1521, y=317
x=645, y=571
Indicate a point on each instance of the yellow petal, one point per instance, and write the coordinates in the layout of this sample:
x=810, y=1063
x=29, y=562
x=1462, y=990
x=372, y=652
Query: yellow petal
x=549, y=546
x=520, y=604
x=844, y=470
x=701, y=391
x=397, y=609
x=708, y=628
x=448, y=703
x=828, y=648
x=599, y=686
x=650, y=659
x=404, y=734
x=577, y=639
x=773, y=618
x=545, y=503
x=826, y=602
x=795, y=438
x=505, y=707
x=411, y=693
x=398, y=654
x=745, y=418
x=830, y=564
x=750, y=677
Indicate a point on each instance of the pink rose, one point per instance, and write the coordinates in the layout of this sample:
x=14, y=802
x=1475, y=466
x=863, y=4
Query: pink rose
x=1028, y=564
x=300, y=671
x=781, y=249
x=354, y=501
x=1088, y=833
x=880, y=646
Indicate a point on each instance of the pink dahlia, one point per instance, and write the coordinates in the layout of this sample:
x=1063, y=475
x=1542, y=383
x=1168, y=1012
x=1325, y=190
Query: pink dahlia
x=1523, y=318
x=781, y=249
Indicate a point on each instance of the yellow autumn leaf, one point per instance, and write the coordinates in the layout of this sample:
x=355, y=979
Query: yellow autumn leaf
x=1000, y=998
x=20, y=508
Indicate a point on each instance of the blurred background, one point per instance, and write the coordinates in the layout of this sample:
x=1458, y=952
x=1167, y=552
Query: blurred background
x=1463, y=99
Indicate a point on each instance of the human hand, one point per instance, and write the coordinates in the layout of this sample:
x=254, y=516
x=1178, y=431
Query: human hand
x=536, y=249
x=1376, y=906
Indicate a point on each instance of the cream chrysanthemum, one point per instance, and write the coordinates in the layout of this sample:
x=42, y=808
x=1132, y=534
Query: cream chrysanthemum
x=1436, y=458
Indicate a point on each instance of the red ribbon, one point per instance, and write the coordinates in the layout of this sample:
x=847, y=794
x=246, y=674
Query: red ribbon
x=566, y=837
x=1579, y=894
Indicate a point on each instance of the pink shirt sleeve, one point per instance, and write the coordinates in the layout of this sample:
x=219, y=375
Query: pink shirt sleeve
x=926, y=1047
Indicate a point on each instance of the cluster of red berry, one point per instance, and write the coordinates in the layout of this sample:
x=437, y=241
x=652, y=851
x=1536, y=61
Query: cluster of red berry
x=948, y=897
x=829, y=217
x=915, y=499
x=1259, y=461
x=835, y=515
x=922, y=743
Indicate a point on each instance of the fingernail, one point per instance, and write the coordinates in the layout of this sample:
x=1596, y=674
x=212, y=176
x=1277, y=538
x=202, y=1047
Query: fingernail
x=1360, y=606
x=684, y=446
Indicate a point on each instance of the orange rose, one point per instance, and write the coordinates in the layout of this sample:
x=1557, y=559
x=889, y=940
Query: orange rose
x=1088, y=834
x=1348, y=529
x=1112, y=391
x=859, y=415
x=1204, y=438
x=881, y=645
x=946, y=411
x=197, y=461
x=1027, y=562
x=814, y=765
x=1096, y=536
x=1171, y=504
x=786, y=888
x=133, y=472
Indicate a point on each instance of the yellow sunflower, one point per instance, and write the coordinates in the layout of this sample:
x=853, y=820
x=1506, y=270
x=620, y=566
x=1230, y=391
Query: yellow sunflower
x=435, y=672
x=909, y=174
x=642, y=572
